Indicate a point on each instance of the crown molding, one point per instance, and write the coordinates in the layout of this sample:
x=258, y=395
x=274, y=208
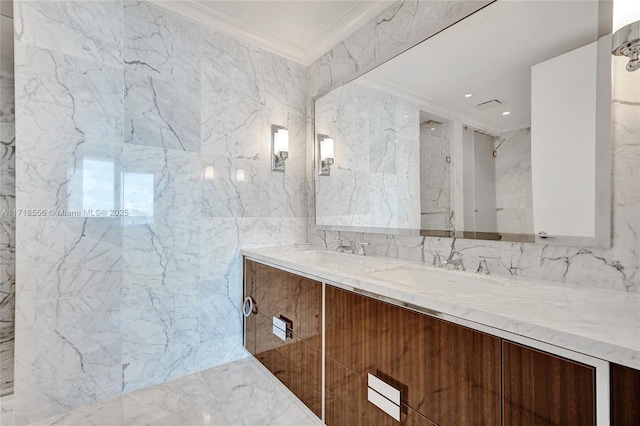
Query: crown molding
x=360, y=14
x=357, y=17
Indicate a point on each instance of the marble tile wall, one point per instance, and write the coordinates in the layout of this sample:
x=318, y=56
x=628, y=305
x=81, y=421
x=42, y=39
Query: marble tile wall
x=7, y=202
x=615, y=268
x=123, y=106
x=377, y=146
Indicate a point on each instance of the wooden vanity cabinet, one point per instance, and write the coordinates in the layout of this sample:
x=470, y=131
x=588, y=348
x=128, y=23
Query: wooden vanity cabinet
x=625, y=396
x=347, y=404
x=544, y=389
x=448, y=373
x=296, y=362
x=277, y=292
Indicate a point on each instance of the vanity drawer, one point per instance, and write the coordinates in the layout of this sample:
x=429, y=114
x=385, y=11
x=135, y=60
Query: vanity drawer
x=449, y=373
x=544, y=389
x=347, y=404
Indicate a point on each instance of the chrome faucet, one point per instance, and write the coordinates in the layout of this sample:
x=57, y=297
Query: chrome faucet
x=483, y=268
x=345, y=248
x=361, y=251
x=456, y=264
x=437, y=259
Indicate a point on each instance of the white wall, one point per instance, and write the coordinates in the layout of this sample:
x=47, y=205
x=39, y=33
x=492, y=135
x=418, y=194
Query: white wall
x=563, y=111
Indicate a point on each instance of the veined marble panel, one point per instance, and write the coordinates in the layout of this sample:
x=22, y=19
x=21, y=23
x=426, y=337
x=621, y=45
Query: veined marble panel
x=69, y=174
x=6, y=410
x=391, y=32
x=44, y=401
x=160, y=320
x=239, y=82
x=161, y=113
x=67, y=257
x=64, y=95
x=285, y=83
x=161, y=45
x=7, y=118
x=375, y=179
x=616, y=268
x=7, y=202
x=233, y=98
x=221, y=334
x=221, y=270
x=160, y=251
x=154, y=369
x=160, y=182
x=66, y=338
x=345, y=114
x=237, y=187
x=90, y=30
x=626, y=162
x=343, y=198
x=223, y=237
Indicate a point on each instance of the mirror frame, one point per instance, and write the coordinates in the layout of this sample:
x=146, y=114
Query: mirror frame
x=604, y=128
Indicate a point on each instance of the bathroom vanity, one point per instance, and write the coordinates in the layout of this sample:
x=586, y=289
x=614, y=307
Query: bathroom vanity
x=370, y=341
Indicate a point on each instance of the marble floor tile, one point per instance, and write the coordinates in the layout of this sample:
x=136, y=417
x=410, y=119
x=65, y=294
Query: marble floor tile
x=6, y=410
x=239, y=393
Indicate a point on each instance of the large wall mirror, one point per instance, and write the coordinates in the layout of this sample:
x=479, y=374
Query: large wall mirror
x=498, y=127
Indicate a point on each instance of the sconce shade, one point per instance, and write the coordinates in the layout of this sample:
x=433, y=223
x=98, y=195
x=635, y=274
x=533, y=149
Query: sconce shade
x=208, y=173
x=281, y=141
x=625, y=12
x=326, y=148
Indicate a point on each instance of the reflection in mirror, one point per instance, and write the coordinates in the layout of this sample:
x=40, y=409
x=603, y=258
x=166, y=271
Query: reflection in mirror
x=472, y=132
x=375, y=177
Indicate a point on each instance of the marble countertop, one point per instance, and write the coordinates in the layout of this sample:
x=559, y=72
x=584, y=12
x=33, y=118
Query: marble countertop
x=600, y=323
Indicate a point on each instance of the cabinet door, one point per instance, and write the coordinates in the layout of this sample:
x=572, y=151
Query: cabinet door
x=278, y=292
x=543, y=389
x=449, y=373
x=296, y=362
x=625, y=396
x=347, y=404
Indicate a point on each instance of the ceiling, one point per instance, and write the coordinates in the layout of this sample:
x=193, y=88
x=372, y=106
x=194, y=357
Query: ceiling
x=488, y=55
x=301, y=30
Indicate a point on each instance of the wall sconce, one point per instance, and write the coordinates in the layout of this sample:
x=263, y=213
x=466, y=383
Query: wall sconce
x=279, y=147
x=209, y=173
x=326, y=154
x=626, y=31
x=240, y=175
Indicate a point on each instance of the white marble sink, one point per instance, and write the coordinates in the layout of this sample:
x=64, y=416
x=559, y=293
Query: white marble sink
x=438, y=280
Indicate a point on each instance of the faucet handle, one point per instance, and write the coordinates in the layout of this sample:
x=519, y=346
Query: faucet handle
x=361, y=251
x=483, y=267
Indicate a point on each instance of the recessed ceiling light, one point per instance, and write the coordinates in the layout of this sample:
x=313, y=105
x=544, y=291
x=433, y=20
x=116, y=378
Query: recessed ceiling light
x=433, y=128
x=468, y=95
x=506, y=113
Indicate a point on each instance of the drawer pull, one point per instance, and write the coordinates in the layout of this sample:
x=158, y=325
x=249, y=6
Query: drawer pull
x=249, y=307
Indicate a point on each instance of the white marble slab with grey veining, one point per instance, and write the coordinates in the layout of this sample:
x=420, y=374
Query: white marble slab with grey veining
x=600, y=323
